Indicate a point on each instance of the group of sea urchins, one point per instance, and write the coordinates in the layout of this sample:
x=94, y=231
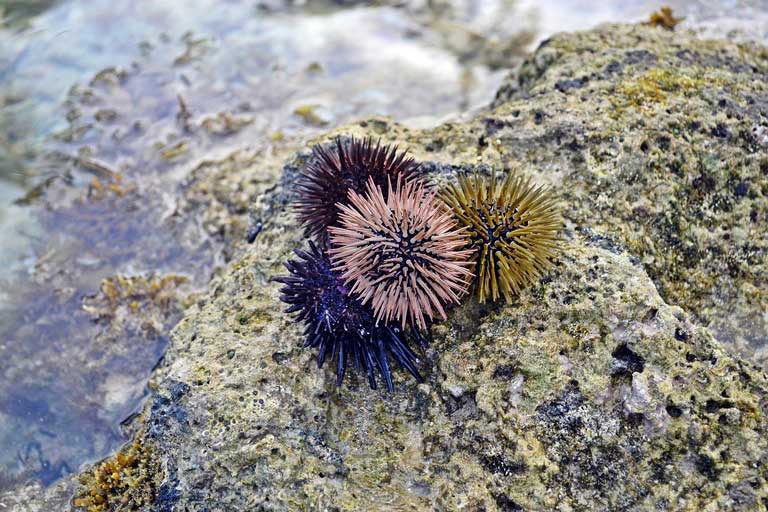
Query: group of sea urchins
x=388, y=254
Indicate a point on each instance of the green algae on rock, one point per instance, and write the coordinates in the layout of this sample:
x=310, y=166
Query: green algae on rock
x=659, y=142
x=514, y=405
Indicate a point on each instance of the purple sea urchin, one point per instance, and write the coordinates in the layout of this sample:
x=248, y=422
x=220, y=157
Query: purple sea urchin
x=401, y=253
x=337, y=324
x=331, y=174
x=513, y=226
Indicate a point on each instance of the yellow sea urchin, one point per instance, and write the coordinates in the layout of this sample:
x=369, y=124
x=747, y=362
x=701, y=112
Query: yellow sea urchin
x=513, y=226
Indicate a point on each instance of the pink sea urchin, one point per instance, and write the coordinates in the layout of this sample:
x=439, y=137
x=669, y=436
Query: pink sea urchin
x=401, y=252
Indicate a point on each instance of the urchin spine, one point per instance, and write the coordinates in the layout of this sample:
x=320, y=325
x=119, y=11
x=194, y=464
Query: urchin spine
x=333, y=172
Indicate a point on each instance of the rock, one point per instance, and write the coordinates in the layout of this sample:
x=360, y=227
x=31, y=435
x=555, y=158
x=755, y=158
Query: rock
x=266, y=429
x=600, y=388
x=656, y=138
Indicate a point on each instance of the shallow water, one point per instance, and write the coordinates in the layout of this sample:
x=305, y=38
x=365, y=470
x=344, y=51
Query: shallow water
x=107, y=108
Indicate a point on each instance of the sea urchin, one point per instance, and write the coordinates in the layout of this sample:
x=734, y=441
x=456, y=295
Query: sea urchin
x=401, y=253
x=513, y=227
x=331, y=174
x=337, y=324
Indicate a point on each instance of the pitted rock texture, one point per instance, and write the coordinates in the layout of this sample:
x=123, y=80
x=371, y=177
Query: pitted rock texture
x=662, y=144
x=589, y=392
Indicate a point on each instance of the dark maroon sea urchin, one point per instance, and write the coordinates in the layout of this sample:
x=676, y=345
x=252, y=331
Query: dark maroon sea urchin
x=337, y=324
x=402, y=253
x=332, y=173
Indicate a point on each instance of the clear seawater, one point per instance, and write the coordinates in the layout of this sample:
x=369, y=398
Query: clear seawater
x=90, y=96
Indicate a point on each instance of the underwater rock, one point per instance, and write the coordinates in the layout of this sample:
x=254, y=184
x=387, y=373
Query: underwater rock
x=601, y=387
